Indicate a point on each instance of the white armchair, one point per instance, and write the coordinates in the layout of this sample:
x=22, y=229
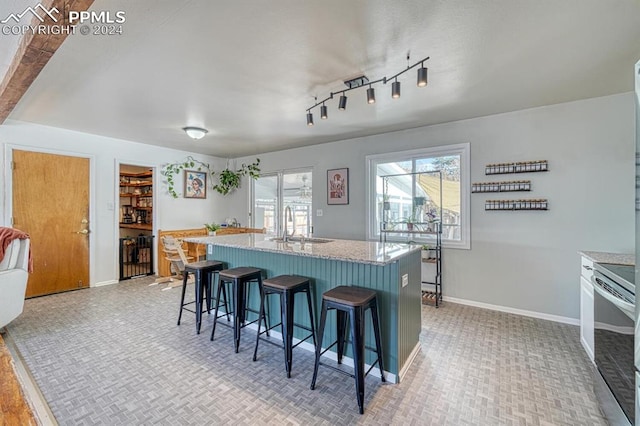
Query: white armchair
x=14, y=268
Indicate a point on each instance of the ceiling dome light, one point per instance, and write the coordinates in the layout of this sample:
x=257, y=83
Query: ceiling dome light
x=195, y=132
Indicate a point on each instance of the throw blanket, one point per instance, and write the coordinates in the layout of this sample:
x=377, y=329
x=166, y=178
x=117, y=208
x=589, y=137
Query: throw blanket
x=7, y=235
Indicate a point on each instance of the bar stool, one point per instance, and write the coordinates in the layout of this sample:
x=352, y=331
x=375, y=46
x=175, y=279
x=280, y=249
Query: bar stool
x=203, y=273
x=239, y=279
x=287, y=286
x=350, y=304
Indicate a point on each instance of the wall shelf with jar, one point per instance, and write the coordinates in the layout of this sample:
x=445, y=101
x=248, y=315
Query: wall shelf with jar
x=513, y=186
x=527, y=204
x=518, y=167
x=136, y=191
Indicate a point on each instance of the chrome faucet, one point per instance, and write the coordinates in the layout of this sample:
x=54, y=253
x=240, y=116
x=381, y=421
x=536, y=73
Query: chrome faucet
x=288, y=217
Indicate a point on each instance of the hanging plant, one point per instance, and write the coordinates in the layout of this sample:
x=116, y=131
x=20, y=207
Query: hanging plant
x=229, y=180
x=170, y=171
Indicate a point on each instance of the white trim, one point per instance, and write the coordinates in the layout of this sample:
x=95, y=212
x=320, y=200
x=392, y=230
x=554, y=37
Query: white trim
x=103, y=283
x=462, y=149
x=348, y=361
x=614, y=328
x=532, y=314
x=588, y=350
x=408, y=362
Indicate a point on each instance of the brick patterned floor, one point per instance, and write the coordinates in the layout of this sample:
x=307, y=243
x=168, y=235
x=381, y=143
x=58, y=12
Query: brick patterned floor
x=113, y=355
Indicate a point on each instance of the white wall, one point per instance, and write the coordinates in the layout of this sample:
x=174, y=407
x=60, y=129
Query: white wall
x=106, y=153
x=520, y=260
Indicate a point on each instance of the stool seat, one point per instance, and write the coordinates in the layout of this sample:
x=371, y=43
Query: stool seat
x=240, y=272
x=204, y=265
x=350, y=296
x=285, y=282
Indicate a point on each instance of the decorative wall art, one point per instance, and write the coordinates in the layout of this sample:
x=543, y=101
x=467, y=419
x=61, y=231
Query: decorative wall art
x=338, y=186
x=195, y=184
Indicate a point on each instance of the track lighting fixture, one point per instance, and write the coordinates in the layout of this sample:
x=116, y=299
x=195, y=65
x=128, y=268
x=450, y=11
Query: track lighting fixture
x=422, y=76
x=342, y=104
x=371, y=94
x=395, y=89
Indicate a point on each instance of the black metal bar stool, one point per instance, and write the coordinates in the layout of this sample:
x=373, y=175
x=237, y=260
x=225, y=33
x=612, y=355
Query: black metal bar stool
x=287, y=286
x=350, y=304
x=239, y=279
x=203, y=273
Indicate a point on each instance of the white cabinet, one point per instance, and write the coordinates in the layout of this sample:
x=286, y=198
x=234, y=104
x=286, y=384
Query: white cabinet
x=586, y=306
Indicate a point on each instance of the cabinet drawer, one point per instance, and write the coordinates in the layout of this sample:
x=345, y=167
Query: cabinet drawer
x=586, y=268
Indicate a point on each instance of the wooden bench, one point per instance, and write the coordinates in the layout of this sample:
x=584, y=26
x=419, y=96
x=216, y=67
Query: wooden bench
x=195, y=250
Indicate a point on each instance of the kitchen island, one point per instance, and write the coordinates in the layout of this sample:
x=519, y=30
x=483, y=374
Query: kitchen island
x=392, y=269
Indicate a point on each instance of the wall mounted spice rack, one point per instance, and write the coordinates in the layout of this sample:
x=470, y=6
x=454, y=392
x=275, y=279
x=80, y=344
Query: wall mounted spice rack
x=528, y=204
x=513, y=186
x=519, y=167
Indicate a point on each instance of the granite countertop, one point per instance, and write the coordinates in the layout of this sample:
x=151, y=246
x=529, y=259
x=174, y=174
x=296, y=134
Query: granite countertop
x=370, y=252
x=604, y=257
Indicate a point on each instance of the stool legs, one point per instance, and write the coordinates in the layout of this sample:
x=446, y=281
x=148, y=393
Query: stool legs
x=185, y=276
x=221, y=290
x=376, y=332
x=357, y=334
x=287, y=328
x=323, y=321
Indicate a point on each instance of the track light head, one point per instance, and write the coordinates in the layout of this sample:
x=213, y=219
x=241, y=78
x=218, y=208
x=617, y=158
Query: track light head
x=323, y=112
x=371, y=95
x=422, y=76
x=395, y=89
x=342, y=103
x=309, y=119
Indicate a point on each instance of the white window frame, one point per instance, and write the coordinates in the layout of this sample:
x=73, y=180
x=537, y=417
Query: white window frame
x=462, y=149
x=279, y=174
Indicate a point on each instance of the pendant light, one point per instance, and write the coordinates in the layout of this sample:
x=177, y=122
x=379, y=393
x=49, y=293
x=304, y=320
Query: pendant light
x=395, y=89
x=371, y=95
x=422, y=76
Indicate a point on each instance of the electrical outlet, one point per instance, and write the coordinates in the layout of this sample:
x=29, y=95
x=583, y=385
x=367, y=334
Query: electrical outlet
x=319, y=212
x=209, y=249
x=405, y=280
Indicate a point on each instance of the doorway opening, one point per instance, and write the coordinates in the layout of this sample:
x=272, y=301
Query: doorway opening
x=135, y=221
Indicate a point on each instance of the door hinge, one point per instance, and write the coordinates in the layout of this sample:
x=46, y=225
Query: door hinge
x=12, y=222
x=13, y=165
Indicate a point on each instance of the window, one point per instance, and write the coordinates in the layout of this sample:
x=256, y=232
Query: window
x=274, y=192
x=453, y=163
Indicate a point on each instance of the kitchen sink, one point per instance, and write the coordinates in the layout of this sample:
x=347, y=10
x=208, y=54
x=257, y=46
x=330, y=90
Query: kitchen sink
x=299, y=240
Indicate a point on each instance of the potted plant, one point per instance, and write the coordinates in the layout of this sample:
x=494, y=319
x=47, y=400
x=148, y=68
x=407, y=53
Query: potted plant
x=426, y=251
x=212, y=227
x=229, y=180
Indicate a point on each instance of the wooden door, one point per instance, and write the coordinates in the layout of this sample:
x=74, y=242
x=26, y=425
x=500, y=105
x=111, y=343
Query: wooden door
x=51, y=203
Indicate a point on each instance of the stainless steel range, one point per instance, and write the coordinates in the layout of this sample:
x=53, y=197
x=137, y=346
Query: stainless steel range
x=614, y=315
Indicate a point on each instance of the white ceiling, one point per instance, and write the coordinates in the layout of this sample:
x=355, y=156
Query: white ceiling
x=247, y=70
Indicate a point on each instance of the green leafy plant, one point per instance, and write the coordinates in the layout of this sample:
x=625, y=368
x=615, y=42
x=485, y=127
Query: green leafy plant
x=229, y=180
x=171, y=170
x=212, y=227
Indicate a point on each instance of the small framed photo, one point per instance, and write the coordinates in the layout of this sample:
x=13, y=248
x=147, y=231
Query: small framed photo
x=338, y=186
x=195, y=184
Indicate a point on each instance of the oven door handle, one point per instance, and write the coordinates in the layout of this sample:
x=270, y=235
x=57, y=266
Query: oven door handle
x=624, y=306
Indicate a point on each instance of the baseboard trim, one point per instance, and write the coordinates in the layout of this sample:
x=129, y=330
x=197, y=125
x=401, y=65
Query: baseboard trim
x=407, y=364
x=532, y=314
x=348, y=361
x=103, y=283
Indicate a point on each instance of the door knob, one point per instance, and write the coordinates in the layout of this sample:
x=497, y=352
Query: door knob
x=84, y=231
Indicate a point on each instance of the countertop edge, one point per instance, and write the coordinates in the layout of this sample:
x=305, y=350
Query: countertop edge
x=605, y=257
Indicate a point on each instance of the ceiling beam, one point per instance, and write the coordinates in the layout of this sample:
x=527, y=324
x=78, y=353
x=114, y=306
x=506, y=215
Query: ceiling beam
x=33, y=53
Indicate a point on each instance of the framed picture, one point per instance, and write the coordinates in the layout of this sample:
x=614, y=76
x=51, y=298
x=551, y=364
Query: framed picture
x=338, y=186
x=195, y=184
